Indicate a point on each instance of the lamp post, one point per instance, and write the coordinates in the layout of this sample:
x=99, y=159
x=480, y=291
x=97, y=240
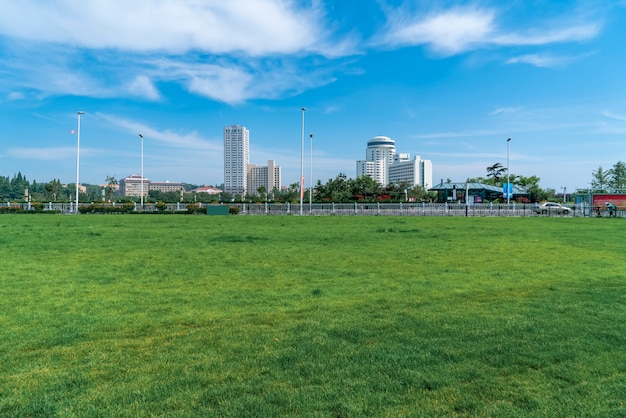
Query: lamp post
x=78, y=158
x=508, y=176
x=311, y=176
x=141, y=137
x=564, y=194
x=302, y=163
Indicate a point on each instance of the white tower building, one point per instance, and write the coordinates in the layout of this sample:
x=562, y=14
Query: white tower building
x=378, y=157
x=236, y=159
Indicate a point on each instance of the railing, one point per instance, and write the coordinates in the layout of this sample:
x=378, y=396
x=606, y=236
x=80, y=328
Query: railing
x=345, y=209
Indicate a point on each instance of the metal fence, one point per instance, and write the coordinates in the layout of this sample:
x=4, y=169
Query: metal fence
x=348, y=209
x=405, y=209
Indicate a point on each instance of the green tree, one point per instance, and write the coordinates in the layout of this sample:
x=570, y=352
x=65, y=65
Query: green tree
x=364, y=188
x=111, y=185
x=262, y=191
x=335, y=190
x=618, y=176
x=600, y=178
x=494, y=173
x=52, y=189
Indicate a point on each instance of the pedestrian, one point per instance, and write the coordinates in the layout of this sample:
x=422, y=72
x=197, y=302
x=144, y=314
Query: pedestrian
x=611, y=208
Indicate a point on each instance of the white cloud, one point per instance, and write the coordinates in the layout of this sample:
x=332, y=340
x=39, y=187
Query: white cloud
x=463, y=29
x=574, y=33
x=506, y=110
x=256, y=27
x=43, y=154
x=189, y=140
x=235, y=83
x=540, y=60
x=448, y=32
x=614, y=116
x=141, y=86
x=15, y=95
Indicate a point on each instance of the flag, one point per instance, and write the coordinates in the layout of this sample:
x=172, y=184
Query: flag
x=73, y=131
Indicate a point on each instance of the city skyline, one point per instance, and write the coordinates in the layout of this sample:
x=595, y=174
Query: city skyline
x=451, y=81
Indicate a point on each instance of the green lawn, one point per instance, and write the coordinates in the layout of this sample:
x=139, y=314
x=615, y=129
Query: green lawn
x=167, y=315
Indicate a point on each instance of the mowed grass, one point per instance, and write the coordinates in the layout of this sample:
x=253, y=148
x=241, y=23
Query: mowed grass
x=126, y=315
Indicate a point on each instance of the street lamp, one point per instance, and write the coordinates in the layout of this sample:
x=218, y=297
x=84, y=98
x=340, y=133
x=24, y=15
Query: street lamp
x=78, y=158
x=508, y=176
x=141, y=136
x=311, y=176
x=302, y=163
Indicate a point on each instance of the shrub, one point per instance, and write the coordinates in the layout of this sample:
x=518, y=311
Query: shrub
x=194, y=208
x=38, y=206
x=233, y=210
x=11, y=209
x=127, y=207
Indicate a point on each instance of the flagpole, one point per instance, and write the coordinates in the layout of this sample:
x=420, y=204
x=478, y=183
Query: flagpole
x=302, y=163
x=78, y=159
x=141, y=136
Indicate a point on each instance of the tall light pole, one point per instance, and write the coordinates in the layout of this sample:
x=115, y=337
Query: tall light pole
x=78, y=158
x=302, y=163
x=141, y=137
x=311, y=175
x=508, y=175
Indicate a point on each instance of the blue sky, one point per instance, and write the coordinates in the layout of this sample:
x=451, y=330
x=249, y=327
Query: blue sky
x=447, y=80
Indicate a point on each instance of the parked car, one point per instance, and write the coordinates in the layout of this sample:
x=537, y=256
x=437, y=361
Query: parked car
x=552, y=208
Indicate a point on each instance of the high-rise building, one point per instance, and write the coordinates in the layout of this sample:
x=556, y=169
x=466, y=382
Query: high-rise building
x=384, y=165
x=236, y=159
x=416, y=172
x=378, y=156
x=264, y=176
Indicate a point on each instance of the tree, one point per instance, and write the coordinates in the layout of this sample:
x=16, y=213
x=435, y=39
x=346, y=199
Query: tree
x=262, y=191
x=495, y=172
x=364, y=187
x=335, y=190
x=600, y=178
x=111, y=185
x=618, y=176
x=52, y=189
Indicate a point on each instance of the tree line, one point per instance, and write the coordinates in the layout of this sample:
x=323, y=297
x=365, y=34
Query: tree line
x=339, y=189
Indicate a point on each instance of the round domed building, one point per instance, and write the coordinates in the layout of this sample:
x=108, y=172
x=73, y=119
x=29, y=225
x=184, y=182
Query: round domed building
x=378, y=156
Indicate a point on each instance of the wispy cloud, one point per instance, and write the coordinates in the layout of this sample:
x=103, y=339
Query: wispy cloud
x=506, y=110
x=614, y=116
x=142, y=86
x=256, y=27
x=456, y=134
x=15, y=95
x=461, y=29
x=447, y=32
x=42, y=154
x=189, y=140
x=227, y=51
x=543, y=60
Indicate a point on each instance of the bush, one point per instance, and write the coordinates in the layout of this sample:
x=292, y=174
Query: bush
x=161, y=206
x=38, y=206
x=195, y=208
x=233, y=210
x=11, y=209
x=127, y=207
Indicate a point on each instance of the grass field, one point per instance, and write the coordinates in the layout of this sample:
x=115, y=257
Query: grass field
x=156, y=315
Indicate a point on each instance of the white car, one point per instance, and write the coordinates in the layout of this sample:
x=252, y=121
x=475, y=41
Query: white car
x=552, y=208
